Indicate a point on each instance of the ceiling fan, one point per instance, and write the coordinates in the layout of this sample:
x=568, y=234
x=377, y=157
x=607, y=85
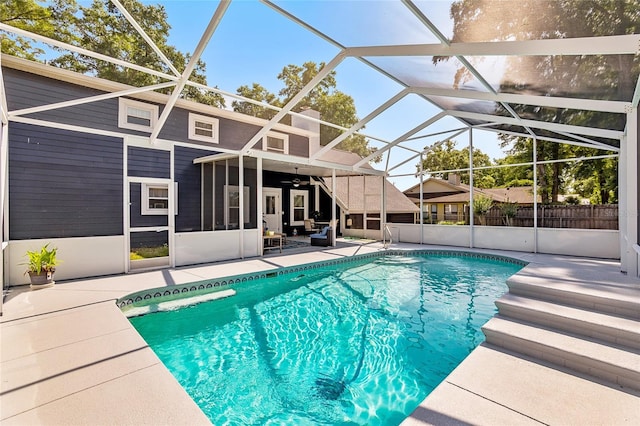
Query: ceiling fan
x=296, y=182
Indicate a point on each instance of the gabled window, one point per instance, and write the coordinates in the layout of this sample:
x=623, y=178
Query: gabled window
x=276, y=142
x=136, y=115
x=203, y=128
x=155, y=199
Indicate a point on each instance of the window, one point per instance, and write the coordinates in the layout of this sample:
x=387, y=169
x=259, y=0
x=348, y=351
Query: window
x=137, y=115
x=155, y=199
x=233, y=205
x=203, y=128
x=276, y=142
x=299, y=206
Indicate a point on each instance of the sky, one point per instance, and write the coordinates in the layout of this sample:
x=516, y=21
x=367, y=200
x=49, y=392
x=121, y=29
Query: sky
x=253, y=43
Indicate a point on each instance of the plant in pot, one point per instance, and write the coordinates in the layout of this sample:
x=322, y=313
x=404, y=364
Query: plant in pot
x=41, y=266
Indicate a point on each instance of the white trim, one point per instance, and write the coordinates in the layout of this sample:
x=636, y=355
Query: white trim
x=145, y=210
x=124, y=106
x=215, y=128
x=292, y=194
x=275, y=135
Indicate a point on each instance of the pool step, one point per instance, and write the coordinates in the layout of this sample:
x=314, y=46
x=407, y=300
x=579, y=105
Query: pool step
x=620, y=365
x=610, y=298
x=604, y=327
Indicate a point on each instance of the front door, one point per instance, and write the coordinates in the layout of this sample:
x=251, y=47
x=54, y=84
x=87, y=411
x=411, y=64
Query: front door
x=272, y=209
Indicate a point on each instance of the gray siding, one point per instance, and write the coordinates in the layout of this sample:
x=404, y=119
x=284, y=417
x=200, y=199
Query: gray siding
x=145, y=162
x=26, y=90
x=187, y=175
x=63, y=183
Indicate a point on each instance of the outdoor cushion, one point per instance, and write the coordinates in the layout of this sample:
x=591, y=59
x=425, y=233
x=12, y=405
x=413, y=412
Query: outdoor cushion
x=323, y=234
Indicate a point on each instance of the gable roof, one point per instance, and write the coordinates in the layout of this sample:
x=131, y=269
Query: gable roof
x=452, y=193
x=353, y=191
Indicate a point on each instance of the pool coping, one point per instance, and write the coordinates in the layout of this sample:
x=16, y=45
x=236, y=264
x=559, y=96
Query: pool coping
x=70, y=356
x=196, y=288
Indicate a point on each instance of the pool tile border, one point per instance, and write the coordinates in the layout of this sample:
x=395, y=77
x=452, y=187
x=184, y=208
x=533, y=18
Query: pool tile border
x=155, y=295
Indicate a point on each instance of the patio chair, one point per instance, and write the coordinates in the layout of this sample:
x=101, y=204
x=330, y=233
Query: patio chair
x=310, y=227
x=323, y=238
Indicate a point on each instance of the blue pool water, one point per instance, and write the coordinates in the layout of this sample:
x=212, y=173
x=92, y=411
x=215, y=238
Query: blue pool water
x=358, y=343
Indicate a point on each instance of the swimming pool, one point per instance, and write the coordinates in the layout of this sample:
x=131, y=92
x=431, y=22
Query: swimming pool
x=361, y=342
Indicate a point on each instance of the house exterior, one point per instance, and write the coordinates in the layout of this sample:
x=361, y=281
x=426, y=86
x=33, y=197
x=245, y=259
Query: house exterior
x=448, y=200
x=88, y=177
x=360, y=200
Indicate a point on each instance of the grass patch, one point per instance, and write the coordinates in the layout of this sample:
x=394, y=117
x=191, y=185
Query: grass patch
x=148, y=252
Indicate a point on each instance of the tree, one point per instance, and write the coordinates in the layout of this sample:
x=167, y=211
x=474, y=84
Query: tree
x=101, y=28
x=599, y=77
x=444, y=156
x=260, y=94
x=333, y=105
x=31, y=16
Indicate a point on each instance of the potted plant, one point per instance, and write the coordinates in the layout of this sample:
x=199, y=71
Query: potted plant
x=41, y=266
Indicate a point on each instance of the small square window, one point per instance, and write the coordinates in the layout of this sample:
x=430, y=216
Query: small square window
x=203, y=128
x=155, y=199
x=276, y=142
x=137, y=115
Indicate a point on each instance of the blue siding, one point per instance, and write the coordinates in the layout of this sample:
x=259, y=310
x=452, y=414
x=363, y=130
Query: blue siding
x=144, y=162
x=63, y=183
x=187, y=175
x=26, y=90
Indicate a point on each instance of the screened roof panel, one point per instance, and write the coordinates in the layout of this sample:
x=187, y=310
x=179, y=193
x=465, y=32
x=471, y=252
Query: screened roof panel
x=468, y=105
x=595, y=119
x=490, y=20
x=587, y=77
x=361, y=23
x=422, y=71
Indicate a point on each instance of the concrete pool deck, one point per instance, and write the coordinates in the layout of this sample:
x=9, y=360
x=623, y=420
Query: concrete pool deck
x=69, y=356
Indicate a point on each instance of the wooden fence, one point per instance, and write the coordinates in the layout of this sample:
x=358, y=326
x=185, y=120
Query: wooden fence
x=603, y=216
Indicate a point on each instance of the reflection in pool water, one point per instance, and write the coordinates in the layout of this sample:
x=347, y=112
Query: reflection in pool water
x=362, y=342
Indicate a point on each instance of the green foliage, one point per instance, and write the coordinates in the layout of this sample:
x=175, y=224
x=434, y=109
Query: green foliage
x=31, y=15
x=42, y=260
x=100, y=27
x=446, y=157
x=334, y=106
x=610, y=77
x=481, y=205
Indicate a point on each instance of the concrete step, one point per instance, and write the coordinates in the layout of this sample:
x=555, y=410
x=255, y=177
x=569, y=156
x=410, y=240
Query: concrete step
x=620, y=300
x=606, y=362
x=615, y=330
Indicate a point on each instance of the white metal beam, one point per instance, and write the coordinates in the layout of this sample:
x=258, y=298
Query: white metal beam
x=554, y=127
x=545, y=101
x=411, y=132
x=297, y=98
x=193, y=62
x=89, y=99
x=606, y=45
x=4, y=108
x=144, y=35
x=550, y=139
x=85, y=52
x=357, y=126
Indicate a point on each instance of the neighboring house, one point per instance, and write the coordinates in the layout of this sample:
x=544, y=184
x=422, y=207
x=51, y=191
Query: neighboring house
x=360, y=202
x=89, y=178
x=448, y=200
